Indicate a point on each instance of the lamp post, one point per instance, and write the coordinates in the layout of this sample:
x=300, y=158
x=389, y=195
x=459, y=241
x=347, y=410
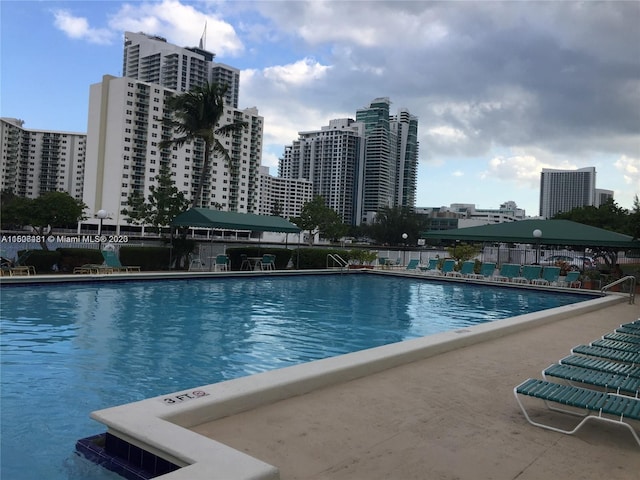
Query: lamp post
x=537, y=234
x=404, y=251
x=101, y=214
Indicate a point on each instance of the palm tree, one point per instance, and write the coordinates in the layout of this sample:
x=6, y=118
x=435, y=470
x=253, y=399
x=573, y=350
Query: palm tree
x=196, y=115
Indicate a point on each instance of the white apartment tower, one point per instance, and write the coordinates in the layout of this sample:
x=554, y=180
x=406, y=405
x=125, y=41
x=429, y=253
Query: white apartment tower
x=564, y=190
x=126, y=126
x=152, y=59
x=332, y=160
x=284, y=197
x=124, y=131
x=35, y=162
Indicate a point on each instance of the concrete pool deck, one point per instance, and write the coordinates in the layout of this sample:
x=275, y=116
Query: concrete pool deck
x=450, y=416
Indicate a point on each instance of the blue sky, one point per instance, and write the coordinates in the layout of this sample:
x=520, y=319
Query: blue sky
x=501, y=89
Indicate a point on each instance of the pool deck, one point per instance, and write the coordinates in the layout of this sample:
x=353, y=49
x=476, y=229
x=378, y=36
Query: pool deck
x=450, y=416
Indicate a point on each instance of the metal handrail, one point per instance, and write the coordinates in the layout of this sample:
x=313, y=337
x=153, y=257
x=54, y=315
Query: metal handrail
x=632, y=292
x=337, y=259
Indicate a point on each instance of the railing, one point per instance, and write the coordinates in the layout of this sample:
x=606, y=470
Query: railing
x=337, y=260
x=632, y=286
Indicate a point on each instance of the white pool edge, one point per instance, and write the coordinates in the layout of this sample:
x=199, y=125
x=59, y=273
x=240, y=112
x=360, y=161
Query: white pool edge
x=161, y=424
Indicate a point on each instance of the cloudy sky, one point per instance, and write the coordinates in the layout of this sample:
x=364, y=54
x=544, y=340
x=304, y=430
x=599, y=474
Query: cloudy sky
x=501, y=89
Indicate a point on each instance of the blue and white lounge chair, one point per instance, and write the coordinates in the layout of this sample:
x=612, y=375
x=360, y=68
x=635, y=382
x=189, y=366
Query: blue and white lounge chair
x=448, y=266
x=508, y=272
x=529, y=274
x=571, y=280
x=465, y=270
x=431, y=267
x=112, y=261
x=486, y=272
x=413, y=264
x=550, y=276
x=594, y=405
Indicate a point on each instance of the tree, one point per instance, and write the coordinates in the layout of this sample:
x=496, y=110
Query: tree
x=162, y=205
x=391, y=223
x=316, y=217
x=634, y=229
x=43, y=214
x=196, y=115
x=608, y=216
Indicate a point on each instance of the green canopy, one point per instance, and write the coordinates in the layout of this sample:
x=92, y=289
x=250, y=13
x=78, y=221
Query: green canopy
x=554, y=232
x=205, y=218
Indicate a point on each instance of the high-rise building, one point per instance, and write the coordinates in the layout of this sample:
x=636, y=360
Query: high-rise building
x=331, y=159
x=359, y=166
x=152, y=59
x=602, y=196
x=564, y=190
x=391, y=158
x=405, y=126
x=125, y=129
x=35, y=162
x=280, y=196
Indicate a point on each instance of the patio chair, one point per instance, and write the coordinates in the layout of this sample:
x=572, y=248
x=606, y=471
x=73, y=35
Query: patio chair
x=632, y=358
x=571, y=280
x=222, y=263
x=465, y=270
x=593, y=405
x=384, y=262
x=19, y=268
x=618, y=345
x=508, y=272
x=602, y=365
x=413, y=264
x=112, y=261
x=432, y=266
x=550, y=276
x=486, y=272
x=196, y=264
x=529, y=274
x=245, y=264
x=267, y=262
x=609, y=381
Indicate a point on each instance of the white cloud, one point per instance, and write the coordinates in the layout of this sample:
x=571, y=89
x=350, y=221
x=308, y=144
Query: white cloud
x=300, y=73
x=78, y=28
x=182, y=24
x=630, y=169
x=524, y=169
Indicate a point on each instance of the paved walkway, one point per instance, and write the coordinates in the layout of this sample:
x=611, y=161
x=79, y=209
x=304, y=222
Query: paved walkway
x=452, y=416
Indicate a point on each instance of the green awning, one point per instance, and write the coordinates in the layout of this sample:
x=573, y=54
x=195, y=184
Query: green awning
x=205, y=218
x=554, y=232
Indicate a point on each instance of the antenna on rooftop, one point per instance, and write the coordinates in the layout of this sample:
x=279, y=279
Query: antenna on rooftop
x=203, y=39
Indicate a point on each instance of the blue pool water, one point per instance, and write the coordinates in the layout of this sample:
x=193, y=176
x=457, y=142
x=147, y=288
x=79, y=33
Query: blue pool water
x=69, y=349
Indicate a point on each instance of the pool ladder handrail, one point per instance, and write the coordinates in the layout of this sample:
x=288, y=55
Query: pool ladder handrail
x=337, y=260
x=632, y=292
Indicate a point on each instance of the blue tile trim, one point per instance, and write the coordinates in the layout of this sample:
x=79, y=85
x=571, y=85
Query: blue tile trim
x=119, y=456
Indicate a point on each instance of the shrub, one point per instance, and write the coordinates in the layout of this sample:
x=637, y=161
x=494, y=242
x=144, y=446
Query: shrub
x=69, y=258
x=43, y=261
x=147, y=258
x=315, y=258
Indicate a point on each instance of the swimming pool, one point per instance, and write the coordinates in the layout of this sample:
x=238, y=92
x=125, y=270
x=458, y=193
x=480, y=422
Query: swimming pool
x=70, y=349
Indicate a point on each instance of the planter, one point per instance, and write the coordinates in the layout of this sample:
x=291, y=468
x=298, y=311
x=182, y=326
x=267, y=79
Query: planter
x=360, y=267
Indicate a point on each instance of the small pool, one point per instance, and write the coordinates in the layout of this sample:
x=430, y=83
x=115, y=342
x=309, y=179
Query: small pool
x=70, y=349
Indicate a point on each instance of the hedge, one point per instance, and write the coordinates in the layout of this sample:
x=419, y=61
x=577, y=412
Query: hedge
x=43, y=261
x=147, y=258
x=76, y=257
